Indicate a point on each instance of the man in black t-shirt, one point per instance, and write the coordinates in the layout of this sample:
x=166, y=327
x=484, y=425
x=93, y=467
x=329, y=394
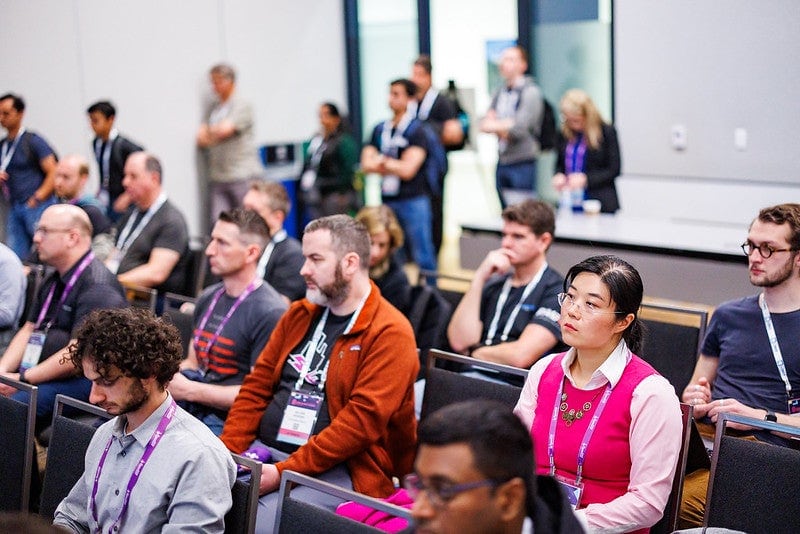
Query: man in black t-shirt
x=510, y=313
x=152, y=243
x=233, y=320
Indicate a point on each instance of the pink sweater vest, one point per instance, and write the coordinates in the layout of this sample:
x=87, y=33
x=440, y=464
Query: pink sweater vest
x=607, y=467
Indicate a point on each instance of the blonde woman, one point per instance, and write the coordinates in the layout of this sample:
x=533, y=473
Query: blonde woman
x=386, y=236
x=588, y=152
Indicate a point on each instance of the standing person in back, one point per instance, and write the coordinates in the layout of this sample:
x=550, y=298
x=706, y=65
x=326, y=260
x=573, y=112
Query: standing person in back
x=515, y=117
x=111, y=150
x=27, y=171
x=438, y=111
x=326, y=185
x=227, y=135
x=397, y=150
x=588, y=153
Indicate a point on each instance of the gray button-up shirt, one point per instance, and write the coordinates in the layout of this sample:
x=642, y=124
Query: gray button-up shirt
x=185, y=486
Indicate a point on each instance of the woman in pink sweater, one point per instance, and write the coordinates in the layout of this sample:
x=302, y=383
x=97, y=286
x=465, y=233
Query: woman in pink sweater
x=603, y=421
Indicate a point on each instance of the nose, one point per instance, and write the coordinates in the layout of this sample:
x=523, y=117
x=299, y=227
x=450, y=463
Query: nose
x=211, y=249
x=96, y=395
x=422, y=508
x=305, y=270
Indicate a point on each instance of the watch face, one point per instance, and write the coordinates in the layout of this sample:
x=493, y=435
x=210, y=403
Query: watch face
x=771, y=417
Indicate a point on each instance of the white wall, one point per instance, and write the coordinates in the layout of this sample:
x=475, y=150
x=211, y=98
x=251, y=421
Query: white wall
x=712, y=67
x=151, y=58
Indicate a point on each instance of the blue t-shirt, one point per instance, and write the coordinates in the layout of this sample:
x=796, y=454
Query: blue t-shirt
x=417, y=186
x=747, y=371
x=24, y=170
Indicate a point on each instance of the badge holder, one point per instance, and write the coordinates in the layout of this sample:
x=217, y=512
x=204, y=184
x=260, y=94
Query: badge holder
x=573, y=491
x=299, y=417
x=794, y=405
x=33, y=350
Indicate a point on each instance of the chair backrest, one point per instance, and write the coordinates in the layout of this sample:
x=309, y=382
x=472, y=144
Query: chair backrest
x=752, y=484
x=444, y=387
x=16, y=447
x=183, y=321
x=196, y=267
x=241, y=519
x=141, y=297
x=452, y=288
x=428, y=314
x=295, y=516
x=35, y=277
x=66, y=452
x=669, y=521
x=672, y=340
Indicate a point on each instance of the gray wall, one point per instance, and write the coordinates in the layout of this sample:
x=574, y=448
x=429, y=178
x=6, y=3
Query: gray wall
x=712, y=67
x=151, y=58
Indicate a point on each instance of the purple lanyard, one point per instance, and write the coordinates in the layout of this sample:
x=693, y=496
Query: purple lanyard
x=206, y=316
x=71, y=284
x=148, y=450
x=575, y=154
x=587, y=436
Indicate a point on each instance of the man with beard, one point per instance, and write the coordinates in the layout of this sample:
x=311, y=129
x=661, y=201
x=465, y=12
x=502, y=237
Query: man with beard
x=750, y=360
x=331, y=395
x=177, y=474
x=232, y=320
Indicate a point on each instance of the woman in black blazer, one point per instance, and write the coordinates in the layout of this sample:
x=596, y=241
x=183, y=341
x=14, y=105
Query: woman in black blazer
x=588, y=151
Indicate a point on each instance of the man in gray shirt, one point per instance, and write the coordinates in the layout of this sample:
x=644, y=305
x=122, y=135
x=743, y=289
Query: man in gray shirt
x=12, y=294
x=187, y=474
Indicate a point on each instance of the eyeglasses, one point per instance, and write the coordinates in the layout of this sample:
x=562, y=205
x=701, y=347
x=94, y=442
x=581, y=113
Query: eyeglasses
x=565, y=300
x=45, y=230
x=765, y=250
x=440, y=493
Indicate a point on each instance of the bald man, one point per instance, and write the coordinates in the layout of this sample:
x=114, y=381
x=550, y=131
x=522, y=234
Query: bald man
x=72, y=173
x=80, y=284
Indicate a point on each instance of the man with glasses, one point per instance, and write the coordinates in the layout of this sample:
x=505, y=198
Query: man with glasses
x=474, y=472
x=750, y=360
x=80, y=284
x=510, y=313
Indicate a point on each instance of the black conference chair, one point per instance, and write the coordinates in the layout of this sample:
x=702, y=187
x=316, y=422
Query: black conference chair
x=752, y=486
x=17, y=448
x=444, y=387
x=141, y=297
x=241, y=519
x=69, y=440
x=295, y=516
x=183, y=320
x=668, y=523
x=673, y=335
x=429, y=313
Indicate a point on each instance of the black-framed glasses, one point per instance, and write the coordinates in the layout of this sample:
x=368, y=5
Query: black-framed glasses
x=765, y=250
x=441, y=493
x=565, y=300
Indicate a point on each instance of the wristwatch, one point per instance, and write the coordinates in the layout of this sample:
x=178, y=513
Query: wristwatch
x=22, y=376
x=770, y=416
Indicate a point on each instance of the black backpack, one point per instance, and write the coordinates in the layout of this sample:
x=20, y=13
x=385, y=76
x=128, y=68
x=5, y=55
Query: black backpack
x=547, y=131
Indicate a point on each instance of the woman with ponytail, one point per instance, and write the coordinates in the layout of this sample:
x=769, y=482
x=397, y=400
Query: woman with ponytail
x=603, y=421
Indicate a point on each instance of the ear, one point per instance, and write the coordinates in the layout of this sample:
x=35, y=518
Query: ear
x=510, y=498
x=254, y=252
x=351, y=264
x=546, y=239
x=623, y=323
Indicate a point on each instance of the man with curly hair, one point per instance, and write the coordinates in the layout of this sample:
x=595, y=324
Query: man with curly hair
x=130, y=356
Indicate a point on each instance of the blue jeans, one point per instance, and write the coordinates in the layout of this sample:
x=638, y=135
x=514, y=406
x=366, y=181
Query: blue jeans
x=21, y=224
x=77, y=388
x=520, y=176
x=416, y=219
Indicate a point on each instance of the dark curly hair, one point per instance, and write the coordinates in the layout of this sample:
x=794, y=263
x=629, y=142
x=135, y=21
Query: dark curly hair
x=133, y=340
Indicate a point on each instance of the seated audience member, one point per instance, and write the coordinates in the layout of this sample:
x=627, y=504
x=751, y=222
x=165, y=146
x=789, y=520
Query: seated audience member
x=152, y=243
x=111, y=151
x=588, y=152
x=283, y=257
x=750, y=360
x=331, y=394
x=386, y=237
x=474, y=473
x=509, y=314
x=79, y=285
x=12, y=294
x=178, y=475
x=603, y=421
x=72, y=173
x=232, y=320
